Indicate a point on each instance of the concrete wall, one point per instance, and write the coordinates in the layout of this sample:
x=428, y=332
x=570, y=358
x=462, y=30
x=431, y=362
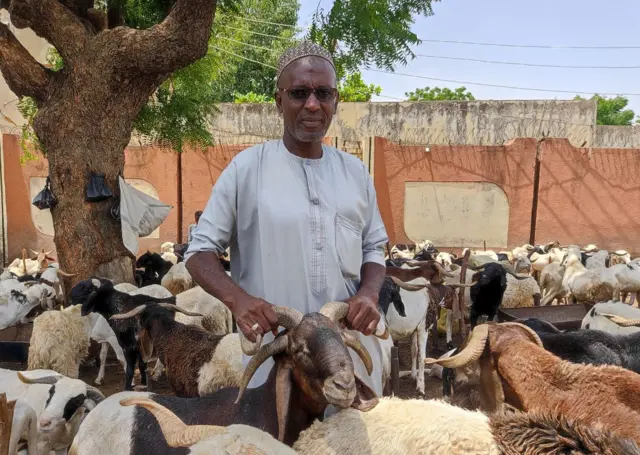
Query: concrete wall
x=428, y=123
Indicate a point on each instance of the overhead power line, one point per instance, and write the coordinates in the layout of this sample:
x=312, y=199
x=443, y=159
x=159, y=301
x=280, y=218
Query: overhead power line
x=257, y=33
x=273, y=67
x=542, y=65
x=242, y=57
x=272, y=23
x=534, y=46
x=247, y=44
x=576, y=92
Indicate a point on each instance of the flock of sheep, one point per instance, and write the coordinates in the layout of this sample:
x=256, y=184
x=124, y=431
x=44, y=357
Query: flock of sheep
x=519, y=387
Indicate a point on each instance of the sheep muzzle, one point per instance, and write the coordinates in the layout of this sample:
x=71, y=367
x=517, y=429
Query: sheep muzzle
x=340, y=389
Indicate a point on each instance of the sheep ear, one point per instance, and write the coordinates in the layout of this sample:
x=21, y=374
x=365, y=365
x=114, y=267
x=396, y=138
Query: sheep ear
x=366, y=398
x=491, y=391
x=283, y=397
x=146, y=346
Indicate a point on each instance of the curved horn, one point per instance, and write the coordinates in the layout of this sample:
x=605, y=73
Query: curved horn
x=173, y=429
x=336, y=311
x=477, y=268
x=354, y=343
x=622, y=322
x=65, y=274
x=289, y=318
x=442, y=271
x=460, y=285
x=136, y=311
x=277, y=346
x=30, y=283
x=534, y=336
x=472, y=351
x=518, y=277
x=619, y=253
x=407, y=286
x=42, y=380
x=176, y=308
x=34, y=252
x=94, y=394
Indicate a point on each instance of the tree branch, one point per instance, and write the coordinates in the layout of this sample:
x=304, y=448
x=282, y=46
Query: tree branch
x=24, y=75
x=53, y=21
x=181, y=39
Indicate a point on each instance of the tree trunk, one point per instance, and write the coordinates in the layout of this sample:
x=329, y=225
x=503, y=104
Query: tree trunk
x=78, y=140
x=86, y=111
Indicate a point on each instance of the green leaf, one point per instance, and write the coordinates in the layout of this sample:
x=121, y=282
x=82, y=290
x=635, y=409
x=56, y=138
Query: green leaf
x=439, y=94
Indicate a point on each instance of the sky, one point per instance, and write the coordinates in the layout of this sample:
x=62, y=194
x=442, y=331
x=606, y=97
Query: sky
x=544, y=22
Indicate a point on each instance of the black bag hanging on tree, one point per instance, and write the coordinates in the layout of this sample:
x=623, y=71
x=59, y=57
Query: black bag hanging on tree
x=96, y=189
x=45, y=198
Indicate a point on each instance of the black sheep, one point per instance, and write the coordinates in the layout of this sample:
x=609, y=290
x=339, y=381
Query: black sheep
x=587, y=346
x=153, y=263
x=487, y=292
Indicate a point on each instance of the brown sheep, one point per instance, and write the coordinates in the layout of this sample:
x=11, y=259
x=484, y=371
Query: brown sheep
x=516, y=370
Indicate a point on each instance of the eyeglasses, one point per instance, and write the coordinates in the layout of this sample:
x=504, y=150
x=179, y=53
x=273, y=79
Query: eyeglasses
x=302, y=93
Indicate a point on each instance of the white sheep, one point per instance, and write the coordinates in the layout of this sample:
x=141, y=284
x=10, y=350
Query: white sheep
x=166, y=247
x=125, y=287
x=153, y=290
x=446, y=259
x=551, y=284
x=6, y=275
x=24, y=425
x=171, y=257
x=17, y=305
x=60, y=341
x=521, y=293
x=619, y=257
x=588, y=285
x=217, y=319
x=177, y=279
x=628, y=276
x=396, y=426
x=416, y=303
x=594, y=321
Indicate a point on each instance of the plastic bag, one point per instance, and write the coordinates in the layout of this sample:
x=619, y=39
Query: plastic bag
x=45, y=198
x=140, y=214
x=97, y=190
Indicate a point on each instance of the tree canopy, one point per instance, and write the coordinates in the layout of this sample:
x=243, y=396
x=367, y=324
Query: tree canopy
x=247, y=38
x=439, y=94
x=611, y=111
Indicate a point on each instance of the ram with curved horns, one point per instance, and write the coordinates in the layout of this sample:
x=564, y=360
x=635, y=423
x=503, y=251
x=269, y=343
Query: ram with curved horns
x=313, y=369
x=516, y=370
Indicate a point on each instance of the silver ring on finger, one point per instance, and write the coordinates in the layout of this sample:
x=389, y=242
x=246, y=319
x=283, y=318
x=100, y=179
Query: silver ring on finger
x=255, y=326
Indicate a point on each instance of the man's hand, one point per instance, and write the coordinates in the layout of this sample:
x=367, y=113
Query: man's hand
x=255, y=317
x=363, y=314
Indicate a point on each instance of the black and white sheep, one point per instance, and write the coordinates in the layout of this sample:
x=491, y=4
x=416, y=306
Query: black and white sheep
x=211, y=362
x=99, y=295
x=60, y=404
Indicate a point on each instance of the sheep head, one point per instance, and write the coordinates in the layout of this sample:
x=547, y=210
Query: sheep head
x=431, y=271
x=86, y=293
x=485, y=342
x=312, y=355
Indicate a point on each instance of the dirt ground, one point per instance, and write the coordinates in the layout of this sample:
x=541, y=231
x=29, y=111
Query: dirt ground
x=114, y=375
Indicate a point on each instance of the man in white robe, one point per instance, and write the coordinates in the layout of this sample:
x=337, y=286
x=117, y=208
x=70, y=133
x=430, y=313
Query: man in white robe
x=301, y=220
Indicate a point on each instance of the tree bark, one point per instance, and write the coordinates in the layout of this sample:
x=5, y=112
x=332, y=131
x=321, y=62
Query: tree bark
x=86, y=113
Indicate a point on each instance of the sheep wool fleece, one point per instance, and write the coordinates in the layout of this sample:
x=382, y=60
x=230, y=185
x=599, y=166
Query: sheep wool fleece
x=298, y=230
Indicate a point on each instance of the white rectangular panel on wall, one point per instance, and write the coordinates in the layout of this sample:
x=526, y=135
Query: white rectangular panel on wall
x=456, y=214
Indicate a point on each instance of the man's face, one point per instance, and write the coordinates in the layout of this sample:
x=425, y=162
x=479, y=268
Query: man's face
x=307, y=120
